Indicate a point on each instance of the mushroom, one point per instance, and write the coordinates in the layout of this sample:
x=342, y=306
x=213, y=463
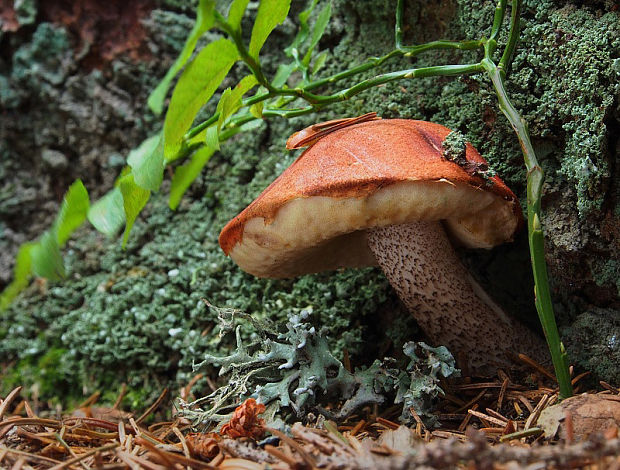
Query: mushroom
x=373, y=192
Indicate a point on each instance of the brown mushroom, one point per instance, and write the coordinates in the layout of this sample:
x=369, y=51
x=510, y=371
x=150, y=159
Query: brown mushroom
x=371, y=192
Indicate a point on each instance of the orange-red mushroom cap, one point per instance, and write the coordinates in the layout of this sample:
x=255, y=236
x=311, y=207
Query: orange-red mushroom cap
x=313, y=217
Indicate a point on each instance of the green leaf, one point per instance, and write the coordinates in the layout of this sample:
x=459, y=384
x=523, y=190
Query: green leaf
x=317, y=32
x=256, y=110
x=184, y=175
x=21, y=275
x=212, y=138
x=270, y=14
x=134, y=199
x=108, y=214
x=235, y=14
x=284, y=71
x=46, y=257
x=230, y=102
x=72, y=212
x=147, y=163
x=319, y=62
x=197, y=84
x=204, y=21
x=43, y=256
x=302, y=34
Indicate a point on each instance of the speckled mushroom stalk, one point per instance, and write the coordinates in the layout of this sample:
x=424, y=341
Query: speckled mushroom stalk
x=448, y=304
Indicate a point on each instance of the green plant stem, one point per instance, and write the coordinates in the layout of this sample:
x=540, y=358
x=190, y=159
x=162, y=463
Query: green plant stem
x=535, y=179
x=371, y=63
x=422, y=72
x=398, y=27
x=498, y=19
x=515, y=28
x=441, y=44
x=252, y=64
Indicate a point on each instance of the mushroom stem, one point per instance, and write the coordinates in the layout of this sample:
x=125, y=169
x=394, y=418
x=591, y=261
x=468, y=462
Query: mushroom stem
x=448, y=304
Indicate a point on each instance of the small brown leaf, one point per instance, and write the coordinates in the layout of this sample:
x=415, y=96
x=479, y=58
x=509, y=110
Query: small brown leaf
x=589, y=414
x=308, y=136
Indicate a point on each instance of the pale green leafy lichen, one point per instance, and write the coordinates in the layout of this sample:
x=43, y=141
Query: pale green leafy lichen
x=294, y=373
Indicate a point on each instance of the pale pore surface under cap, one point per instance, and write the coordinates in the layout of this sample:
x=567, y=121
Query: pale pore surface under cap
x=320, y=233
x=449, y=305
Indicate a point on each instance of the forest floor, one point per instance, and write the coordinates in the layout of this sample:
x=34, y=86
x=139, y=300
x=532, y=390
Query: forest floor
x=481, y=424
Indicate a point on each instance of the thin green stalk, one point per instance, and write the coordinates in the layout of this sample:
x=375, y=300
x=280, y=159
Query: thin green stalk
x=252, y=64
x=398, y=27
x=371, y=63
x=270, y=112
x=374, y=62
x=422, y=72
x=515, y=28
x=535, y=179
x=441, y=44
x=411, y=51
x=498, y=19
x=435, y=71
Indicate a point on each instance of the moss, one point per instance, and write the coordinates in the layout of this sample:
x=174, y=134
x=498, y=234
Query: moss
x=42, y=62
x=26, y=11
x=607, y=271
x=593, y=343
x=47, y=375
x=187, y=6
x=169, y=28
x=8, y=96
x=575, y=93
x=454, y=146
x=140, y=313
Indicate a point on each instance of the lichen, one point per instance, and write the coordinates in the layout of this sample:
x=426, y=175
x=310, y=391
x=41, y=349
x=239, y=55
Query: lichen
x=42, y=63
x=607, y=271
x=293, y=373
x=454, y=147
x=593, y=343
x=564, y=102
x=26, y=11
x=169, y=29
